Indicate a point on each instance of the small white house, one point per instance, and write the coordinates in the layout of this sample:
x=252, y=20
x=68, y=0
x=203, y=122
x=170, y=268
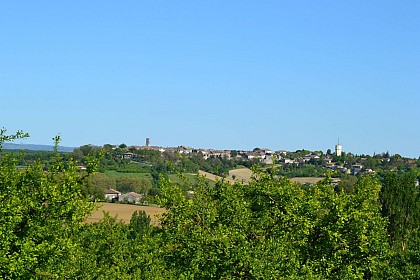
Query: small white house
x=132, y=197
x=112, y=195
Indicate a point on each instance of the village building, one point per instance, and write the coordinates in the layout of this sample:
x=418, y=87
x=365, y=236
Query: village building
x=132, y=197
x=112, y=195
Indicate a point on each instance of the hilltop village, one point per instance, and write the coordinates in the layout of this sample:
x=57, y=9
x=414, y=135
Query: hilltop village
x=338, y=161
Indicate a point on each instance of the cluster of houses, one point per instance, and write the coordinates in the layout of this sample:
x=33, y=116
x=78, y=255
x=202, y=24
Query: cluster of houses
x=130, y=197
x=265, y=156
x=355, y=169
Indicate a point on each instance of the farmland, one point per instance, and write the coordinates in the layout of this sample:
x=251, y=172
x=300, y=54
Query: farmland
x=242, y=175
x=124, y=211
x=306, y=180
x=191, y=177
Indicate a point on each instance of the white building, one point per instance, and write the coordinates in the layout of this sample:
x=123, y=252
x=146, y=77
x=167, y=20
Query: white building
x=338, y=149
x=132, y=197
x=112, y=195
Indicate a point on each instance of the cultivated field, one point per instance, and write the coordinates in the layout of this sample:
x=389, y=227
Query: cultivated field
x=124, y=212
x=242, y=175
x=308, y=180
x=213, y=177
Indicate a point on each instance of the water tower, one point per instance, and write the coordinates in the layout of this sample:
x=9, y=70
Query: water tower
x=338, y=149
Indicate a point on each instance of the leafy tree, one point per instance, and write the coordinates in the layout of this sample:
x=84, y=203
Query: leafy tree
x=97, y=184
x=40, y=210
x=347, y=183
x=401, y=205
x=133, y=184
x=122, y=146
x=10, y=138
x=111, y=249
x=140, y=224
x=272, y=229
x=348, y=239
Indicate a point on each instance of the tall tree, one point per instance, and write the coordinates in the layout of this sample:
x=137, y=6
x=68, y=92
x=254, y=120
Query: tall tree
x=400, y=199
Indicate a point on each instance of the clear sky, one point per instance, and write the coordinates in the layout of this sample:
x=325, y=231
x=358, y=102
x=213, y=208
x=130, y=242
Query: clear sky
x=214, y=74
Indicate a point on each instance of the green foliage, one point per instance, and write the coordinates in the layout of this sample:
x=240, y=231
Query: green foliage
x=113, y=250
x=133, y=184
x=347, y=183
x=273, y=228
x=97, y=184
x=270, y=228
x=400, y=199
x=140, y=224
x=122, y=146
x=40, y=209
x=300, y=170
x=12, y=137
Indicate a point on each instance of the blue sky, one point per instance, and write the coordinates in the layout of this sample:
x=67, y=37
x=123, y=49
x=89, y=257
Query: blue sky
x=214, y=74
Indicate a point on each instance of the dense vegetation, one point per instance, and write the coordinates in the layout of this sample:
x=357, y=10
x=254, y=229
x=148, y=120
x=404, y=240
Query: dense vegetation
x=270, y=228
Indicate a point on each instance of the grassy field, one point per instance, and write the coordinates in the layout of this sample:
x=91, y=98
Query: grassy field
x=115, y=174
x=124, y=211
x=191, y=177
